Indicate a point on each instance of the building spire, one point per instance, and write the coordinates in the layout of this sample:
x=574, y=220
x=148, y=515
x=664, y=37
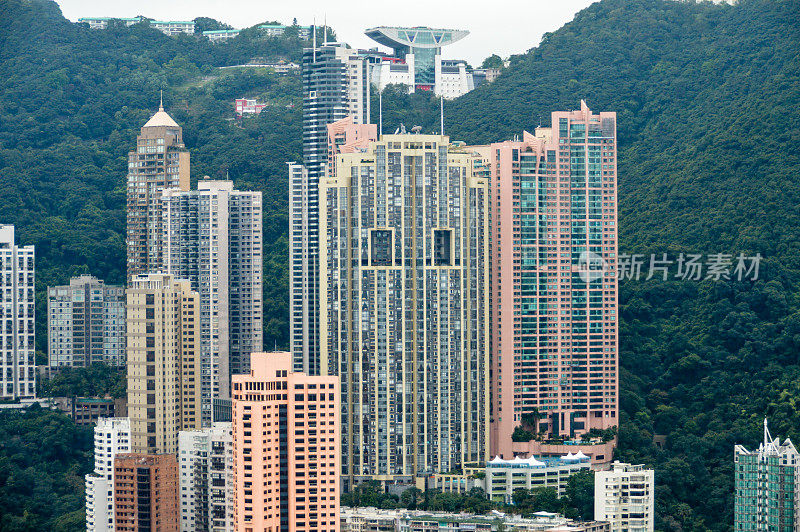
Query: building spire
x=767, y=435
x=161, y=101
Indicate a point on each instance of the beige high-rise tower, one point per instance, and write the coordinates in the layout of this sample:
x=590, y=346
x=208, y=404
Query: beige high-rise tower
x=160, y=162
x=404, y=308
x=163, y=324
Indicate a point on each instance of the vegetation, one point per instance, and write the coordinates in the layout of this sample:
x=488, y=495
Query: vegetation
x=43, y=458
x=97, y=380
x=707, y=101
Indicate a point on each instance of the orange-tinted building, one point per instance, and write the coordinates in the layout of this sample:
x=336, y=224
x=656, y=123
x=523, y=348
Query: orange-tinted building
x=146, y=493
x=285, y=448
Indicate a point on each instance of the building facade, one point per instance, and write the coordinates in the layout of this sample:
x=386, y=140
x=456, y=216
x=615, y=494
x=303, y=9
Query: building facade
x=17, y=314
x=163, y=362
x=767, y=484
x=145, y=493
x=505, y=476
x=205, y=460
x=336, y=85
x=220, y=35
x=404, y=306
x=285, y=448
x=101, y=23
x=173, y=27
x=85, y=323
x=625, y=497
x=160, y=162
x=244, y=106
x=112, y=436
x=554, y=286
x=212, y=237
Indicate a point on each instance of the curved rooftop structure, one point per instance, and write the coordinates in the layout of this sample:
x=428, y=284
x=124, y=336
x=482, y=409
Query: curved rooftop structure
x=418, y=37
x=161, y=118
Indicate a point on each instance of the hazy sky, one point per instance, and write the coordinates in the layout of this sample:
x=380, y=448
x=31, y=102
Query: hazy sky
x=504, y=27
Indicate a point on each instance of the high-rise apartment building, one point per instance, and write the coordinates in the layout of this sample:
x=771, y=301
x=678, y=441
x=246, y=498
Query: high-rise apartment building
x=160, y=162
x=145, y=493
x=767, y=484
x=112, y=436
x=205, y=461
x=212, y=237
x=554, y=287
x=163, y=362
x=17, y=301
x=336, y=85
x=404, y=310
x=285, y=448
x=85, y=323
x=625, y=497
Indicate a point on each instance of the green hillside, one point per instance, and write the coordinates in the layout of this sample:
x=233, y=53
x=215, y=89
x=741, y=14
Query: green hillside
x=708, y=103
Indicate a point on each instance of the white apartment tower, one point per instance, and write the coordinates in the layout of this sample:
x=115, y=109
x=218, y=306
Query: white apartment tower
x=205, y=463
x=336, y=85
x=85, y=323
x=625, y=497
x=112, y=436
x=212, y=237
x=17, y=301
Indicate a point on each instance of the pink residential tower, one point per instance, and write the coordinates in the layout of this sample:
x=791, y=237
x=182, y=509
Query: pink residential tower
x=554, y=335
x=285, y=448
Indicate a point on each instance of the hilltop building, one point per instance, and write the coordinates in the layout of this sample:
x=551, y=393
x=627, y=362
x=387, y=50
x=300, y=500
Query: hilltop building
x=212, y=237
x=220, y=35
x=163, y=362
x=767, y=484
x=85, y=323
x=101, y=23
x=285, y=448
x=404, y=273
x=167, y=27
x=417, y=60
x=160, y=162
x=17, y=313
x=625, y=497
x=112, y=437
x=554, y=286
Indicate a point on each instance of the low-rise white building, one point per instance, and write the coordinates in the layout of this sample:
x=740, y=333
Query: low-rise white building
x=101, y=23
x=173, y=27
x=505, y=476
x=220, y=35
x=112, y=436
x=625, y=497
x=205, y=493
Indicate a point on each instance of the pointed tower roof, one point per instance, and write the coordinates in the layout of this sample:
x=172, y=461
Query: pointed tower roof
x=161, y=118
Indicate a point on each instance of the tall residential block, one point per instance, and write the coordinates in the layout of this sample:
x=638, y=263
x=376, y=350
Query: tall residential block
x=335, y=86
x=404, y=310
x=85, y=323
x=554, y=288
x=145, y=493
x=17, y=303
x=212, y=237
x=112, y=436
x=767, y=482
x=160, y=162
x=625, y=497
x=163, y=362
x=285, y=448
x=205, y=461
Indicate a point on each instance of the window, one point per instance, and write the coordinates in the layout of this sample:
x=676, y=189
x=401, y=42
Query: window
x=441, y=247
x=381, y=244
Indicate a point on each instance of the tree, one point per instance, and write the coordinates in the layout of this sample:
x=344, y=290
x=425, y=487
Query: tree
x=579, y=494
x=520, y=434
x=493, y=61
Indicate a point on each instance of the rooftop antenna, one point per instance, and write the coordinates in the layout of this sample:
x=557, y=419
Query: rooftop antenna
x=161, y=100
x=767, y=435
x=276, y=346
x=324, y=28
x=314, y=40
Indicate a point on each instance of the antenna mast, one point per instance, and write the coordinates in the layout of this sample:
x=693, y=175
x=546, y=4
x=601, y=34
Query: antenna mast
x=441, y=111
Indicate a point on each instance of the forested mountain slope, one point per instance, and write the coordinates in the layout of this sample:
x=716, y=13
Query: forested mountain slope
x=708, y=103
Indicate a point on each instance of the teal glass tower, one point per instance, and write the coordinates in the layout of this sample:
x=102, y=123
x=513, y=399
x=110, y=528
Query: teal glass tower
x=767, y=486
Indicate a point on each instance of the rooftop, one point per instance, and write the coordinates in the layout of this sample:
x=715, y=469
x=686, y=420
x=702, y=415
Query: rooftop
x=418, y=37
x=161, y=119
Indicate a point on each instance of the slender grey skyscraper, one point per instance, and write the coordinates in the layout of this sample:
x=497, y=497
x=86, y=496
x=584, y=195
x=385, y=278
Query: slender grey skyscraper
x=212, y=237
x=335, y=86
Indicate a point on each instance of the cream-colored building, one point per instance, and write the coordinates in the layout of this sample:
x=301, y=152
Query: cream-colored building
x=163, y=324
x=625, y=497
x=404, y=306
